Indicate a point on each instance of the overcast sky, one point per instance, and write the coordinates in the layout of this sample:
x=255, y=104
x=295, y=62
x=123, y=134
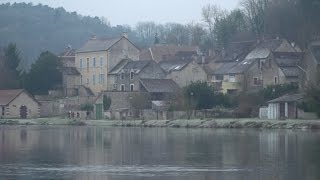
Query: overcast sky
x=132, y=11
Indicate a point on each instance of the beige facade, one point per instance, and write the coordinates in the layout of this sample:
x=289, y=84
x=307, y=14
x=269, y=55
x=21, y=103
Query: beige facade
x=93, y=68
x=95, y=62
x=192, y=72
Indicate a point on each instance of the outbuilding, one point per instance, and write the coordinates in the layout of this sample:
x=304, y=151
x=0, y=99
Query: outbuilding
x=18, y=103
x=285, y=107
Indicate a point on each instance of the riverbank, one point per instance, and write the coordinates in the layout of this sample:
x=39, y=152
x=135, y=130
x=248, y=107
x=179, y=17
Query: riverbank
x=209, y=123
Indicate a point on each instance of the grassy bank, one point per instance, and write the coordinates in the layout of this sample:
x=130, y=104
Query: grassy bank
x=209, y=123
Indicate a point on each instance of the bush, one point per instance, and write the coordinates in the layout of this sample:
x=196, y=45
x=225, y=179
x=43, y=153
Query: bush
x=87, y=107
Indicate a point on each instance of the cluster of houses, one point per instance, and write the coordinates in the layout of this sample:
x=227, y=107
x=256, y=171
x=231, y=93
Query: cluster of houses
x=117, y=68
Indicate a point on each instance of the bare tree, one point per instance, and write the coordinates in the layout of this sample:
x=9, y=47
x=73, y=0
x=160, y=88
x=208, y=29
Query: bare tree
x=255, y=11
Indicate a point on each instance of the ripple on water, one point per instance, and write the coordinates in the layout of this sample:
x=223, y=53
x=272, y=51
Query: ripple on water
x=135, y=170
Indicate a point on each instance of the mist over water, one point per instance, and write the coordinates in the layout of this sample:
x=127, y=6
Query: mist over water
x=149, y=153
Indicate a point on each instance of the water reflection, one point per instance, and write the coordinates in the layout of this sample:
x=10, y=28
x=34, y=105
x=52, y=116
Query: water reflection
x=144, y=153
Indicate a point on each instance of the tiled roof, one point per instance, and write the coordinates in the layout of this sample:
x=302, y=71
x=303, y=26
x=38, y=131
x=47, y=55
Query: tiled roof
x=259, y=53
x=94, y=45
x=7, y=96
x=242, y=66
x=174, y=65
x=287, y=62
x=288, y=98
x=225, y=68
x=136, y=66
x=316, y=52
x=158, y=51
x=119, y=66
x=291, y=71
x=70, y=71
x=236, y=51
x=159, y=85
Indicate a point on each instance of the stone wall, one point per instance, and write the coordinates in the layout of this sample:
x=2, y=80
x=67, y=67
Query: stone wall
x=121, y=100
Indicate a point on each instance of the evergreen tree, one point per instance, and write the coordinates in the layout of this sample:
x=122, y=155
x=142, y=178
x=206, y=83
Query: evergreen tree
x=44, y=75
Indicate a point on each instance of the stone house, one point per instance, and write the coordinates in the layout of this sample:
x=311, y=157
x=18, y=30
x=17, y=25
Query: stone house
x=271, y=62
x=70, y=81
x=18, y=103
x=312, y=61
x=184, y=72
x=68, y=57
x=127, y=74
x=165, y=52
x=98, y=56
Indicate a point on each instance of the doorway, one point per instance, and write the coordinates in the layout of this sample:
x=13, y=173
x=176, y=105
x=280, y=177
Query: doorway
x=23, y=112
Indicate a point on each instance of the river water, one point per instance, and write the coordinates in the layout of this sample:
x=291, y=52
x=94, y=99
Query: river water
x=65, y=152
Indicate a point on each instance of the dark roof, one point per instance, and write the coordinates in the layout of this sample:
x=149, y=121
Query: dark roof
x=94, y=45
x=68, y=52
x=288, y=98
x=159, y=85
x=259, y=53
x=287, y=62
x=236, y=51
x=242, y=66
x=174, y=65
x=119, y=66
x=70, y=71
x=225, y=68
x=129, y=65
x=271, y=44
x=291, y=71
x=316, y=53
x=7, y=96
x=136, y=66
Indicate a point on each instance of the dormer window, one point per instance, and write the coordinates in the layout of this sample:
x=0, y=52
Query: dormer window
x=122, y=75
x=131, y=75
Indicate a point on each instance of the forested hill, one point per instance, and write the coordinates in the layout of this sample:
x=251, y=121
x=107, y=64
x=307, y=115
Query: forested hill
x=36, y=28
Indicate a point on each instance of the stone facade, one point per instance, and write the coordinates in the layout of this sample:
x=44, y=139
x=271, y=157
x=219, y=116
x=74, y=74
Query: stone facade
x=192, y=72
x=127, y=79
x=13, y=109
x=94, y=65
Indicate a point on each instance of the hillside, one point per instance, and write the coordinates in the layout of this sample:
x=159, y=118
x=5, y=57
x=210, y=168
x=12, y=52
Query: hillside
x=36, y=28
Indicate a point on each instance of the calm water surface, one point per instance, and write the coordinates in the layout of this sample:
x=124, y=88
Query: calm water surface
x=62, y=152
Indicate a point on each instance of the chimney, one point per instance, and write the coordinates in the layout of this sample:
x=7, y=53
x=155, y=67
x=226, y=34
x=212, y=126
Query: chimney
x=203, y=59
x=93, y=37
x=125, y=35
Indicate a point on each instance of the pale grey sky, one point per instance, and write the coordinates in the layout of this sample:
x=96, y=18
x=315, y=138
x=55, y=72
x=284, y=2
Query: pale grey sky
x=133, y=11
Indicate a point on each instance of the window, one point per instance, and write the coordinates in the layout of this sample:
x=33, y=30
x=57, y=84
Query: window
x=88, y=81
x=232, y=78
x=122, y=87
x=94, y=62
x=101, y=78
x=131, y=87
x=219, y=77
x=94, y=79
x=131, y=75
x=122, y=76
x=114, y=86
x=88, y=65
x=81, y=64
x=3, y=110
x=101, y=61
x=275, y=80
x=257, y=81
x=80, y=80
